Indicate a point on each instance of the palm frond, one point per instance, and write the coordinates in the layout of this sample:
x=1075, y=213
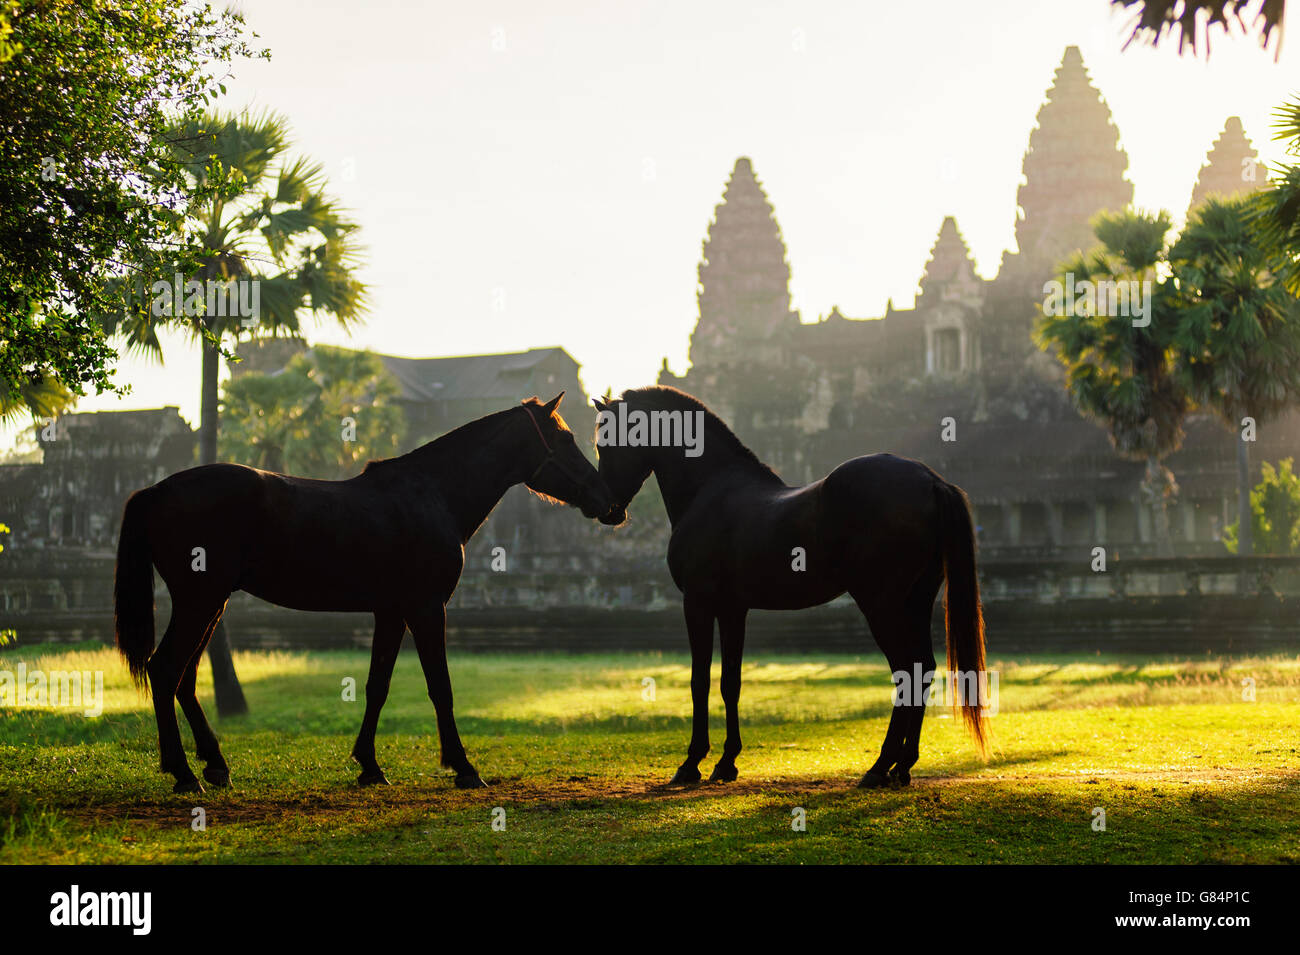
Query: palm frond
x=1191, y=21
x=44, y=397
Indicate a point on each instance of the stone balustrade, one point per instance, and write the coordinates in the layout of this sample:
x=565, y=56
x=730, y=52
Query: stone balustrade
x=1177, y=604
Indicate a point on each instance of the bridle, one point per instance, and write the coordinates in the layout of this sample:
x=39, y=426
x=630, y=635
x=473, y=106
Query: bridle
x=559, y=465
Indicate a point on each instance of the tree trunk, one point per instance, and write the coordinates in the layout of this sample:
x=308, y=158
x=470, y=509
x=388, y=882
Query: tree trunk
x=225, y=682
x=208, y=400
x=1245, y=520
x=1156, y=488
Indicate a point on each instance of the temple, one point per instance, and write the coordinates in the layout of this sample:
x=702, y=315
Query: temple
x=804, y=395
x=807, y=396
x=1231, y=168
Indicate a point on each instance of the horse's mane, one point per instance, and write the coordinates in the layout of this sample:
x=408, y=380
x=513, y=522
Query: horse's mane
x=668, y=398
x=457, y=436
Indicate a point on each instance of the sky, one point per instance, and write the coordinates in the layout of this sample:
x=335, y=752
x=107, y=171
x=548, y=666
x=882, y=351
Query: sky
x=529, y=174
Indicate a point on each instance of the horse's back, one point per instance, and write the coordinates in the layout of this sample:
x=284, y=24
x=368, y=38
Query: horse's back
x=771, y=546
x=351, y=545
x=882, y=473
x=742, y=542
x=211, y=482
x=210, y=498
x=882, y=505
x=298, y=542
x=868, y=492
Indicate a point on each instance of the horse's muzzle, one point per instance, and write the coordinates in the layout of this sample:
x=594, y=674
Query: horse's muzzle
x=617, y=515
x=597, y=504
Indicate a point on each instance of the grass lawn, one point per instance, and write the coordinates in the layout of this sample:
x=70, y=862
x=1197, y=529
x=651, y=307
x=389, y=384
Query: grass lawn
x=1185, y=770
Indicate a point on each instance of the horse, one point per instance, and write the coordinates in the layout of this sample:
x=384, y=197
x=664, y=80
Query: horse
x=389, y=541
x=885, y=529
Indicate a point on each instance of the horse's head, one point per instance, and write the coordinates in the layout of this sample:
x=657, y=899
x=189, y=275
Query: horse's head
x=622, y=468
x=560, y=471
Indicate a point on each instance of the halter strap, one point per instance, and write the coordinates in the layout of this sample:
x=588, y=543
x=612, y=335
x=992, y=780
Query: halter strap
x=538, y=428
x=550, y=458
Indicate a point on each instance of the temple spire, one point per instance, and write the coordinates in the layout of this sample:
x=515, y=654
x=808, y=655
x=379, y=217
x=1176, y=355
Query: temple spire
x=1074, y=168
x=1231, y=167
x=950, y=271
x=744, y=279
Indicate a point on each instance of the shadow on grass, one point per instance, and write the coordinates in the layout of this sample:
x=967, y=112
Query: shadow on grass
x=976, y=820
x=979, y=822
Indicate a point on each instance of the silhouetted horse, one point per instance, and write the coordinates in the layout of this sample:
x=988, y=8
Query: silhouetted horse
x=389, y=541
x=885, y=529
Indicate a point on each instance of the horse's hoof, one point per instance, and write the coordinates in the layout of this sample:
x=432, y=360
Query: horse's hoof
x=218, y=776
x=376, y=778
x=723, y=774
x=685, y=776
x=191, y=785
x=470, y=781
x=873, y=780
x=899, y=778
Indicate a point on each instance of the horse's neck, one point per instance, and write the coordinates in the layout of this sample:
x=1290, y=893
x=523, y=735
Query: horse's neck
x=677, y=489
x=682, y=479
x=473, y=470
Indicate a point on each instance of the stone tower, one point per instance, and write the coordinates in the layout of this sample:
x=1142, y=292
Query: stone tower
x=741, y=363
x=1074, y=168
x=744, y=290
x=1231, y=167
x=951, y=295
x=950, y=273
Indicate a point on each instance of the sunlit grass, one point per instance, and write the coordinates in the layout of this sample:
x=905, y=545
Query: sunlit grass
x=578, y=747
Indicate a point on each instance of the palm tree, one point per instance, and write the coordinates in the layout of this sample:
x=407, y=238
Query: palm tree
x=1275, y=211
x=1192, y=21
x=1120, y=374
x=323, y=415
x=270, y=229
x=263, y=416
x=43, y=398
x=1275, y=512
x=1237, y=329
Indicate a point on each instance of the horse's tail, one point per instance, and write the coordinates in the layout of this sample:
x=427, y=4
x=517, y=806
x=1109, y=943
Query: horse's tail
x=963, y=616
x=133, y=589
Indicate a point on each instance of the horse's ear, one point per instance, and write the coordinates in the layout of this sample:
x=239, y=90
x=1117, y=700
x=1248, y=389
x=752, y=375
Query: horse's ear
x=599, y=405
x=554, y=403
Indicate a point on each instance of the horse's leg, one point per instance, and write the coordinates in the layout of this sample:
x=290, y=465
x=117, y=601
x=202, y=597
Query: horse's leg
x=699, y=628
x=389, y=630
x=890, y=632
x=185, y=632
x=215, y=769
x=731, y=635
x=914, y=714
x=920, y=605
x=429, y=628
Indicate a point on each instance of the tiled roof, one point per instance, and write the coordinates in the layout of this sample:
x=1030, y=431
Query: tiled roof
x=468, y=376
